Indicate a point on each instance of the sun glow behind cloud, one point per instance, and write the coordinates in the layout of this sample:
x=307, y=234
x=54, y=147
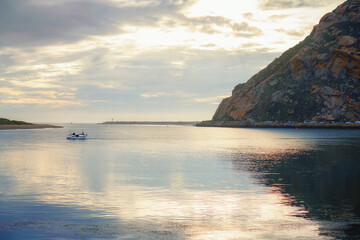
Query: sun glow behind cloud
x=134, y=50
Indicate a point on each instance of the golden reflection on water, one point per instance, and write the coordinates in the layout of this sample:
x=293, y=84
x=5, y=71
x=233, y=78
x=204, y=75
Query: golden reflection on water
x=58, y=177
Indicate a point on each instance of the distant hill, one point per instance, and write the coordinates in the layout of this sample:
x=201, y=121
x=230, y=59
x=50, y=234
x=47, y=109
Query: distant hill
x=318, y=79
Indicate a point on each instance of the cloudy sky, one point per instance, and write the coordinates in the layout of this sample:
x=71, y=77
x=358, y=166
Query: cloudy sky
x=97, y=60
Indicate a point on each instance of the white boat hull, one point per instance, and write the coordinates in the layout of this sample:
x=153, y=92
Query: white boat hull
x=76, y=137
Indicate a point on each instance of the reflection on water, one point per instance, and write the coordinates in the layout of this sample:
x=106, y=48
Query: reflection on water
x=178, y=182
x=324, y=180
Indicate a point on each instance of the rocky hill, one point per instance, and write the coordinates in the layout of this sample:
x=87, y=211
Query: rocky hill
x=318, y=79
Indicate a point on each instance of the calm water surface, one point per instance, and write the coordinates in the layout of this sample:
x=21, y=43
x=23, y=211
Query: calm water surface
x=179, y=182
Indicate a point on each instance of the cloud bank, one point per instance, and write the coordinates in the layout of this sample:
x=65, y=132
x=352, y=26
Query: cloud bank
x=286, y=4
x=77, y=60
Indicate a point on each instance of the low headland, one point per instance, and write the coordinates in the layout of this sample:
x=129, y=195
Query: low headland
x=289, y=124
x=6, y=124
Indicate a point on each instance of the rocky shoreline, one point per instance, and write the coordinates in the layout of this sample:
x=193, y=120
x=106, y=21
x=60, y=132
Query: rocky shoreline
x=241, y=124
x=26, y=126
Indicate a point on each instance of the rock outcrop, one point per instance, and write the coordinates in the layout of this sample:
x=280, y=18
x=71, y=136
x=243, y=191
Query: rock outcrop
x=318, y=79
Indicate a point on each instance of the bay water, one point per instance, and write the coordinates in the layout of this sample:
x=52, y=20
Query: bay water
x=179, y=182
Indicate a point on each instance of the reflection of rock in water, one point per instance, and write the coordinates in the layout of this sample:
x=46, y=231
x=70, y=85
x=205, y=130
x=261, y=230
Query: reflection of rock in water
x=325, y=181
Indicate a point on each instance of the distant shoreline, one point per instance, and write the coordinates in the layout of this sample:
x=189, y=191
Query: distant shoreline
x=238, y=124
x=26, y=126
x=149, y=123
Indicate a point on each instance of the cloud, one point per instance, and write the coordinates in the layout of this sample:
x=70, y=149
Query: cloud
x=211, y=25
x=249, y=16
x=53, y=99
x=117, y=56
x=210, y=100
x=250, y=45
x=278, y=17
x=6, y=60
x=245, y=30
x=177, y=94
x=28, y=23
x=42, y=22
x=286, y=4
x=10, y=91
x=153, y=95
x=143, y=83
x=51, y=103
x=209, y=45
x=293, y=33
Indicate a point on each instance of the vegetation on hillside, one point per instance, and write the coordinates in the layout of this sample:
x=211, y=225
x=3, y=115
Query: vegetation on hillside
x=4, y=121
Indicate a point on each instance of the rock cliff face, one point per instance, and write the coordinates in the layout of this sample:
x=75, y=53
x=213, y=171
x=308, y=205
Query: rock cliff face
x=318, y=79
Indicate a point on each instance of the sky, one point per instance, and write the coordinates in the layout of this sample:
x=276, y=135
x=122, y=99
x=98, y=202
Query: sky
x=143, y=60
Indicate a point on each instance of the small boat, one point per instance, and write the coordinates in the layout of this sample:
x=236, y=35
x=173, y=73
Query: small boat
x=73, y=136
